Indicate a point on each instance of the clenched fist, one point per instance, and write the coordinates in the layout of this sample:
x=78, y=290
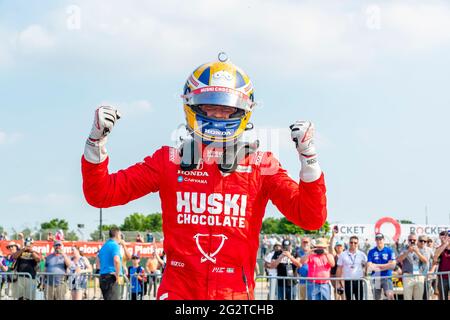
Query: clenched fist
x=104, y=120
x=302, y=133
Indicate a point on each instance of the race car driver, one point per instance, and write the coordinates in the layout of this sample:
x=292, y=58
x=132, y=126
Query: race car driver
x=213, y=188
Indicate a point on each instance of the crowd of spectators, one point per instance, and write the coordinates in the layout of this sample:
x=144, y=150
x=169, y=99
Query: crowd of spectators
x=60, y=276
x=326, y=269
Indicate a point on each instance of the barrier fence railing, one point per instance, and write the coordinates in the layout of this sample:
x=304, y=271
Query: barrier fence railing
x=86, y=286
x=405, y=286
x=17, y=286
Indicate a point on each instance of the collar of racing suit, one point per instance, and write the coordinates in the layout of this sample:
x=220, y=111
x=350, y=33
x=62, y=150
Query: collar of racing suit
x=191, y=151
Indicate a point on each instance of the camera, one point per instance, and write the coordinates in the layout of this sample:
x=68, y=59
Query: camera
x=340, y=291
x=319, y=251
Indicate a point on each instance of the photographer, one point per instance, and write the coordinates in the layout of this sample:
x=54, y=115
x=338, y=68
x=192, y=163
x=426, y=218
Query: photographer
x=58, y=264
x=272, y=272
x=319, y=263
x=26, y=262
x=286, y=264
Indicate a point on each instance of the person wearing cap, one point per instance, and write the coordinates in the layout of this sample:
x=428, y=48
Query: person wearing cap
x=272, y=272
x=286, y=264
x=336, y=251
x=320, y=262
x=302, y=271
x=137, y=277
x=380, y=263
x=57, y=264
x=26, y=260
x=442, y=262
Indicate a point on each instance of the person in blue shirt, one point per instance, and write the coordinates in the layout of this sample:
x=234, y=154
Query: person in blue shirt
x=110, y=260
x=137, y=278
x=380, y=263
x=302, y=271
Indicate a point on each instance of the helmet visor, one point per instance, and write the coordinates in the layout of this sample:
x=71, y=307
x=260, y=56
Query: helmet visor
x=221, y=96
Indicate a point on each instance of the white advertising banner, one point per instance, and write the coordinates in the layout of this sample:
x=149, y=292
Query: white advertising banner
x=391, y=229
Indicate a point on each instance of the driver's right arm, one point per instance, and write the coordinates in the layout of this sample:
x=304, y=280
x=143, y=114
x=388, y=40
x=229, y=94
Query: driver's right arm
x=103, y=190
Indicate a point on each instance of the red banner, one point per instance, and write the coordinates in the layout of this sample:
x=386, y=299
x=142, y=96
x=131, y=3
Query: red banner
x=89, y=248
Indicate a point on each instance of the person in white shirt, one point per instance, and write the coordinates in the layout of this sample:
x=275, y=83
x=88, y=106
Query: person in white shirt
x=272, y=272
x=351, y=265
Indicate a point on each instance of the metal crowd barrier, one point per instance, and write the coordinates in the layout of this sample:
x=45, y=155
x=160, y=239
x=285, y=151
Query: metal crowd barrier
x=17, y=286
x=86, y=286
x=423, y=287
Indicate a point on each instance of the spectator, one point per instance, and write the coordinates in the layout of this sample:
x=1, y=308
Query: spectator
x=302, y=271
x=139, y=238
x=137, y=277
x=59, y=236
x=150, y=237
x=286, y=264
x=336, y=251
x=10, y=262
x=3, y=268
x=264, y=246
x=50, y=236
x=366, y=246
x=430, y=244
x=272, y=272
x=26, y=261
x=415, y=259
x=429, y=254
x=56, y=263
x=4, y=236
x=351, y=266
x=79, y=266
x=153, y=267
x=380, y=263
x=319, y=263
x=109, y=260
x=442, y=260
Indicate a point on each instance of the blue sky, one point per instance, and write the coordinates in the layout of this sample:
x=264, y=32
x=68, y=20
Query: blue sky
x=373, y=75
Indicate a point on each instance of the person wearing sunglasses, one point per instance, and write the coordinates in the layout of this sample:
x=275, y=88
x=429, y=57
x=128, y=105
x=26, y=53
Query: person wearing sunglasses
x=415, y=263
x=351, y=265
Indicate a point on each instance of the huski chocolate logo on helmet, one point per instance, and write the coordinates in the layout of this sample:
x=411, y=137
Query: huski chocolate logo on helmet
x=211, y=256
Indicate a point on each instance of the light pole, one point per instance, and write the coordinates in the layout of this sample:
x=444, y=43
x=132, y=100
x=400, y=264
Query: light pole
x=100, y=230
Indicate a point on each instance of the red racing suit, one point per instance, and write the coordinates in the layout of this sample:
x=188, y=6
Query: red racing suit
x=211, y=220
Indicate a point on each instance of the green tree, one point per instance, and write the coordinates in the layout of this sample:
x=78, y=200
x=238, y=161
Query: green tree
x=287, y=227
x=95, y=236
x=55, y=224
x=135, y=222
x=71, y=236
x=154, y=222
x=270, y=225
x=405, y=222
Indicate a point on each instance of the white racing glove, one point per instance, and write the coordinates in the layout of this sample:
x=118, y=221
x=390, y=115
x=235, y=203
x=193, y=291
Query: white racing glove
x=302, y=133
x=104, y=120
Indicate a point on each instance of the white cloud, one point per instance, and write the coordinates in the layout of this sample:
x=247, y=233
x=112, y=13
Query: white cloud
x=23, y=199
x=9, y=138
x=35, y=38
x=50, y=199
x=131, y=108
x=284, y=36
x=422, y=26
